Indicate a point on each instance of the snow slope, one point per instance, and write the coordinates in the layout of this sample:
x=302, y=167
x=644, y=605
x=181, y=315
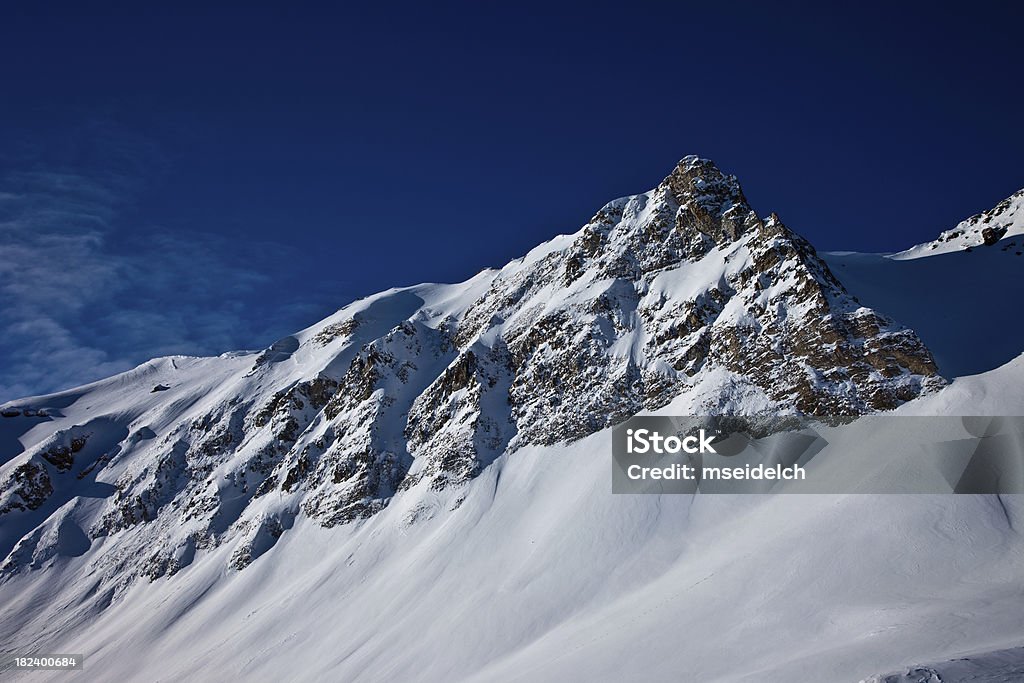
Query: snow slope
x=541, y=574
x=417, y=488
x=1004, y=223
x=962, y=304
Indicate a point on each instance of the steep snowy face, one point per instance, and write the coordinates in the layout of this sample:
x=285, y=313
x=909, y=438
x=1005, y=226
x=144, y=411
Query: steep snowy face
x=680, y=294
x=685, y=289
x=993, y=228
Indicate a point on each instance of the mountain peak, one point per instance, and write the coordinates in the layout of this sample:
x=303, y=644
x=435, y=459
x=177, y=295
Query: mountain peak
x=709, y=199
x=698, y=176
x=691, y=162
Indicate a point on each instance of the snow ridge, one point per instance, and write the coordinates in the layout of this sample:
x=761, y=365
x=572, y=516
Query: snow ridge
x=996, y=226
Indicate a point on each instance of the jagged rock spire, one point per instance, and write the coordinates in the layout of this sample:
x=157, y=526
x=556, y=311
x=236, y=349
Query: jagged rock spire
x=709, y=201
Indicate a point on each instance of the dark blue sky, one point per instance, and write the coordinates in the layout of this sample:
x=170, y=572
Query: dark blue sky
x=190, y=180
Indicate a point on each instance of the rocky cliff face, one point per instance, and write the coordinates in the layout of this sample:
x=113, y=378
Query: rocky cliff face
x=682, y=294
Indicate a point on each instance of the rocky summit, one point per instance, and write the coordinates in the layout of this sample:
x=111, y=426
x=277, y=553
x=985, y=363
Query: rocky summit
x=682, y=295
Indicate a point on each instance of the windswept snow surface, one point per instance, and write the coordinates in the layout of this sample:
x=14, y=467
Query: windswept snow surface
x=542, y=574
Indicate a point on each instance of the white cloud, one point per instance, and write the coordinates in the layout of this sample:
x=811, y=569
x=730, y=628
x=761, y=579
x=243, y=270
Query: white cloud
x=83, y=297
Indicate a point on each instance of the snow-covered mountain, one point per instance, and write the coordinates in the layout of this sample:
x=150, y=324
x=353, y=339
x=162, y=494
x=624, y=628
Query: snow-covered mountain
x=997, y=225
x=960, y=301
x=417, y=486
